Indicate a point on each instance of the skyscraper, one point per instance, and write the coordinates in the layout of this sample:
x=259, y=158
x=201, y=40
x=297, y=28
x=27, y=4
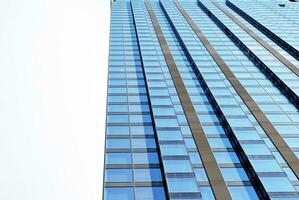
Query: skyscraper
x=203, y=100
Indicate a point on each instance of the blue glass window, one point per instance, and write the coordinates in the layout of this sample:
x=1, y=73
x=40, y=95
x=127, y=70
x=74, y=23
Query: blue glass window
x=166, y=123
x=195, y=158
x=118, y=158
x=182, y=185
x=140, y=118
x=118, y=143
x=256, y=149
x=226, y=157
x=118, y=175
x=219, y=143
x=145, y=158
x=117, y=193
x=277, y=184
x=266, y=166
x=243, y=192
x=173, y=150
x=234, y=174
x=142, y=130
x=169, y=135
x=117, y=118
x=177, y=166
x=118, y=130
x=200, y=174
x=147, y=175
x=143, y=143
x=207, y=193
x=150, y=193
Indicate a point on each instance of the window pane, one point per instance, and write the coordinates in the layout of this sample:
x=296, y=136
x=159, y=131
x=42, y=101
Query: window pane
x=207, y=193
x=182, y=185
x=118, y=143
x=143, y=143
x=147, y=175
x=177, y=166
x=173, y=150
x=277, y=184
x=266, y=166
x=150, y=193
x=234, y=174
x=118, y=175
x=118, y=158
x=243, y=192
x=123, y=193
x=145, y=158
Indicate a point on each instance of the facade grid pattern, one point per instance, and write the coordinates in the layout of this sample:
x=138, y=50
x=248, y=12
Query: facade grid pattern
x=176, y=69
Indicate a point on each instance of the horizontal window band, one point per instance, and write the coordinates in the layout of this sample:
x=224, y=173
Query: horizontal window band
x=130, y=136
x=134, y=184
x=284, y=195
x=228, y=183
x=172, y=142
x=186, y=195
x=127, y=123
x=272, y=174
x=180, y=175
x=127, y=113
x=132, y=166
x=129, y=150
x=176, y=157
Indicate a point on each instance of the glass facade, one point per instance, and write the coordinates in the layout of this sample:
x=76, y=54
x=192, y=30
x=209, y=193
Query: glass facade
x=199, y=106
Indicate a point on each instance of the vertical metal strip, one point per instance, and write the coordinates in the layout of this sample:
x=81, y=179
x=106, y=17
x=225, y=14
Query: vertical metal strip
x=209, y=162
x=289, y=156
x=275, y=53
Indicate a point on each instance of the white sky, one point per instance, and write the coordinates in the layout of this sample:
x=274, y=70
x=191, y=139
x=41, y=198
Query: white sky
x=53, y=71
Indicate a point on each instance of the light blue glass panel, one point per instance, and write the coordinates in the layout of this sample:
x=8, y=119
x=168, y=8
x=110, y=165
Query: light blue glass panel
x=207, y=193
x=118, y=175
x=242, y=193
x=266, y=166
x=117, y=193
x=149, y=193
x=143, y=143
x=145, y=158
x=166, y=123
x=226, y=157
x=118, y=158
x=147, y=175
x=118, y=143
x=234, y=174
x=177, y=166
x=170, y=135
x=277, y=184
x=118, y=130
x=173, y=150
x=182, y=185
x=200, y=174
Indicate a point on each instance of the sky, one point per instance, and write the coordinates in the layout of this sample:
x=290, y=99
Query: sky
x=53, y=74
